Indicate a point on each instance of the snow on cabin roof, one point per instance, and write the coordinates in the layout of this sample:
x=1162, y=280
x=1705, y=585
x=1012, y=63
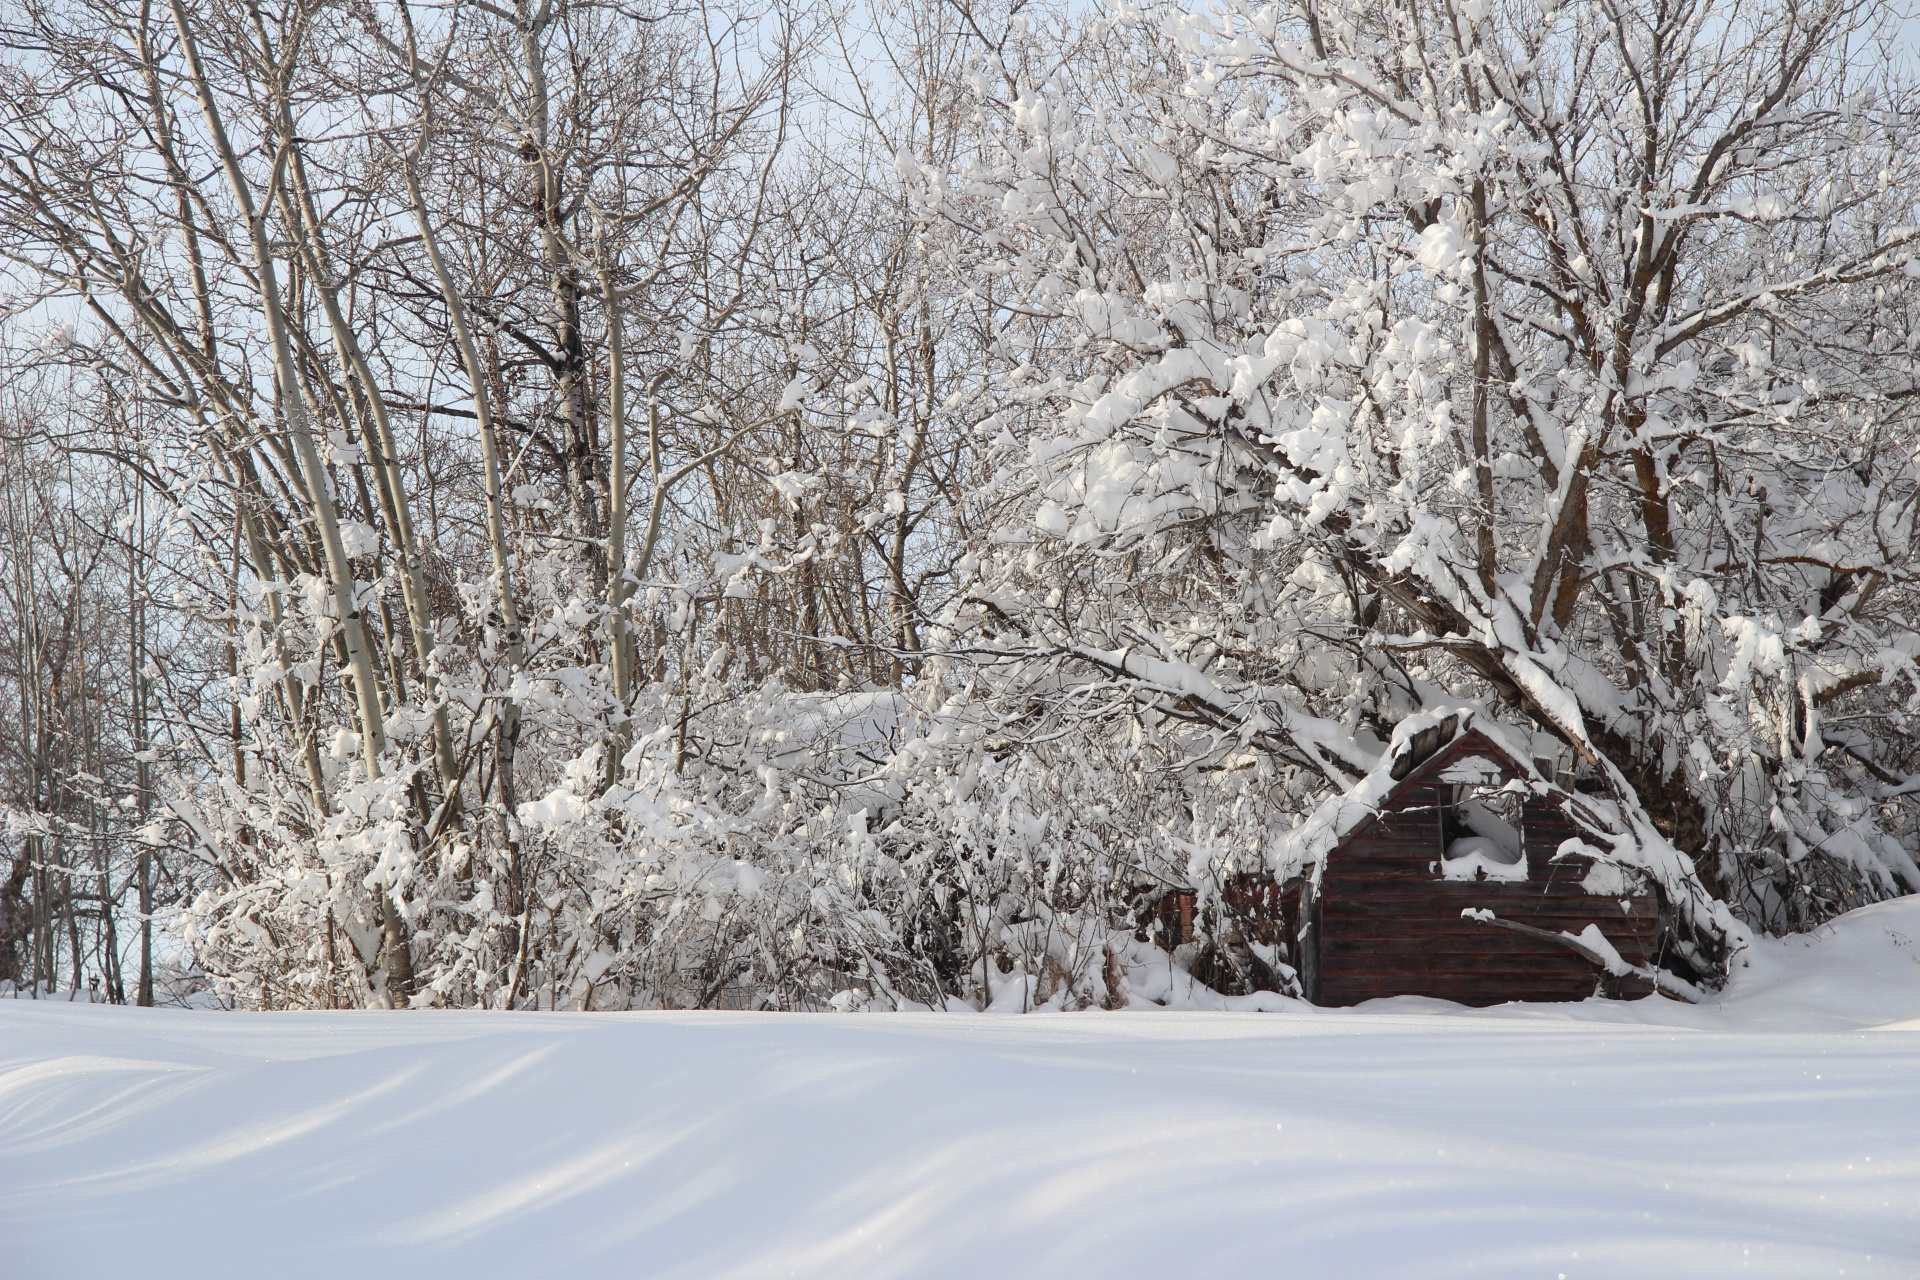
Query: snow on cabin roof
x=1416, y=740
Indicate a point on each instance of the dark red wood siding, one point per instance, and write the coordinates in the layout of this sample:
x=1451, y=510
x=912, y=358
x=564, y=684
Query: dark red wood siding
x=1389, y=924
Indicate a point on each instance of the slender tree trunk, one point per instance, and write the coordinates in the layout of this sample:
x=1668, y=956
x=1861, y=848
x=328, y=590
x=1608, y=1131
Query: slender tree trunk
x=293, y=408
x=507, y=723
x=387, y=477
x=142, y=740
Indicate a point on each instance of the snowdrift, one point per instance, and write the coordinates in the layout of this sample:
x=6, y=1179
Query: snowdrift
x=1775, y=1132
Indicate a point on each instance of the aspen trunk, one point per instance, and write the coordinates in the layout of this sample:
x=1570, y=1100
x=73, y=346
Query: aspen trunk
x=313, y=471
x=508, y=724
x=619, y=583
x=388, y=480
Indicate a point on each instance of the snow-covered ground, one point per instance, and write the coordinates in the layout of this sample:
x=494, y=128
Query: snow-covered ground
x=1774, y=1134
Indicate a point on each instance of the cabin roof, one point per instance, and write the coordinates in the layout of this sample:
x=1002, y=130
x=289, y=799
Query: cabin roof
x=1423, y=747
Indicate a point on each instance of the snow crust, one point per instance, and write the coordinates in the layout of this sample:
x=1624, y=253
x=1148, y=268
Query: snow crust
x=1477, y=857
x=1774, y=1131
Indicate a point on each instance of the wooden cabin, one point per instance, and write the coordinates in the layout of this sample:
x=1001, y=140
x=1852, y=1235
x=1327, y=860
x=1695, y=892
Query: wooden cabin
x=1457, y=869
x=1460, y=871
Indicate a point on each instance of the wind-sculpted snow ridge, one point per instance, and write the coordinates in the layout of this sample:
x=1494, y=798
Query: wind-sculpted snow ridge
x=1773, y=1133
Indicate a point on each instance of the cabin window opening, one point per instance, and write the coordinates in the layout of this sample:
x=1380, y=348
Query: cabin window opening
x=1481, y=834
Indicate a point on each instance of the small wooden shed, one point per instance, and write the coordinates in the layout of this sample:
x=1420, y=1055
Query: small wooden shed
x=1460, y=870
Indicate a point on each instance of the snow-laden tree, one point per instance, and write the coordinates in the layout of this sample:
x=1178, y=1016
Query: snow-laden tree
x=1553, y=356
x=377, y=294
x=642, y=531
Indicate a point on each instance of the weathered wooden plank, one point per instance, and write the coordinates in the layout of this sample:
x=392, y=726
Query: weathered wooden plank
x=1362, y=931
x=1376, y=929
x=1336, y=941
x=1391, y=869
x=1336, y=956
x=1430, y=916
x=1472, y=997
x=1542, y=879
x=1392, y=937
x=1424, y=843
x=1405, y=951
x=1514, y=985
x=1505, y=986
x=1387, y=924
x=1514, y=967
x=1464, y=991
x=1357, y=882
x=1340, y=944
x=1385, y=897
x=1431, y=887
x=1389, y=846
x=1537, y=814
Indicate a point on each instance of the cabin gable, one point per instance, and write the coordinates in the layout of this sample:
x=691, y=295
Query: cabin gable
x=1393, y=914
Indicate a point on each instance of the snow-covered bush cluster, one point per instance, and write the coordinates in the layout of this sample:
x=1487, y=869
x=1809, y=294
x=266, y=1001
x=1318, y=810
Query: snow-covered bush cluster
x=640, y=532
